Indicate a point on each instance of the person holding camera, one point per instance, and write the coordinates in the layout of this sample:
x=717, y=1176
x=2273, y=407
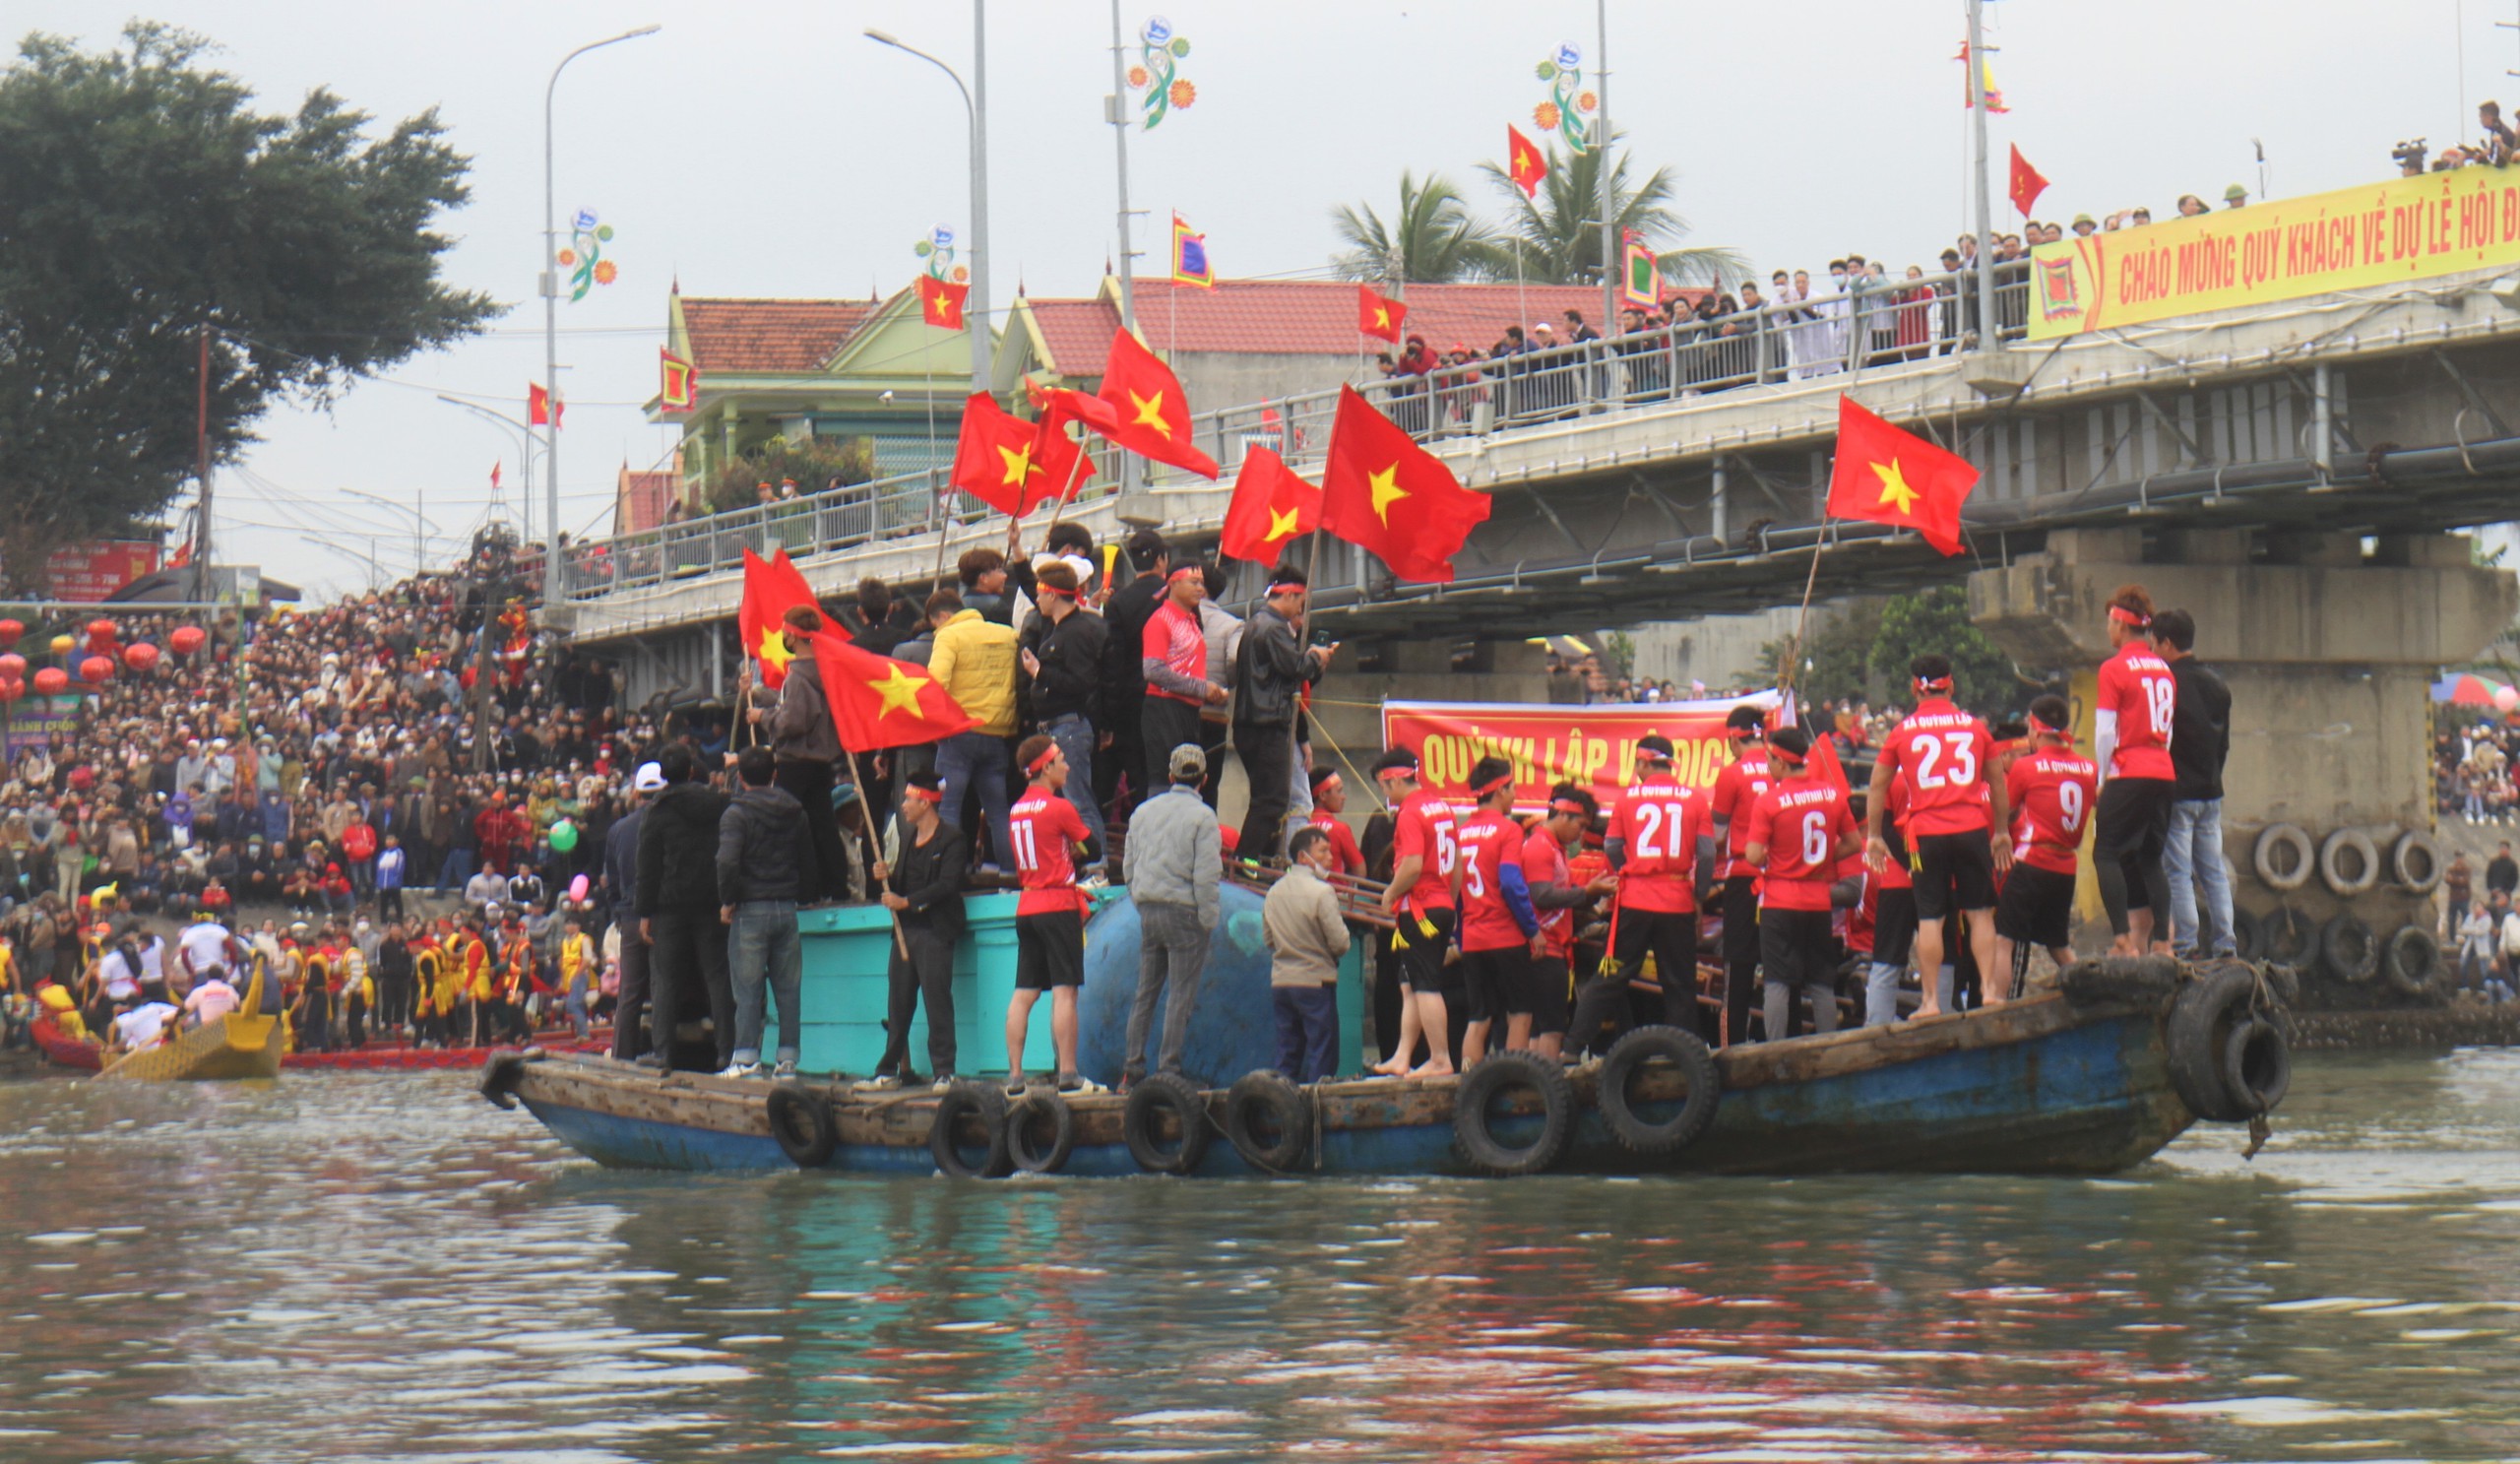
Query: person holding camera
x=1271, y=669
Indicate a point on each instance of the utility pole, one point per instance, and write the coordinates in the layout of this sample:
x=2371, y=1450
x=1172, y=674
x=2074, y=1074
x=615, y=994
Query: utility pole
x=201, y=468
x=978, y=318
x=1988, y=335
x=1116, y=108
x=1610, y=263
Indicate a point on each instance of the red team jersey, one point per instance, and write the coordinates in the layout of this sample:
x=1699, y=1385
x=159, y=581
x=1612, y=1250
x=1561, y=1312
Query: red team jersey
x=2136, y=685
x=1896, y=876
x=1424, y=830
x=1487, y=841
x=1737, y=789
x=1545, y=862
x=2053, y=791
x=1943, y=754
x=1042, y=826
x=1659, y=821
x=1343, y=843
x=1800, y=822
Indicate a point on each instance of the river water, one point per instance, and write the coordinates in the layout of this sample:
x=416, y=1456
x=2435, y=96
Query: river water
x=346, y=1268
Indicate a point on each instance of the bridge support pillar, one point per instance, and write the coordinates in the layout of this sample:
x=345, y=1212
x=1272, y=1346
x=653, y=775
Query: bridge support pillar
x=2329, y=651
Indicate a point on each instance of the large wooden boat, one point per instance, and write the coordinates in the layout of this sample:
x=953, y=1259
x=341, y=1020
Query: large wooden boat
x=244, y=1044
x=397, y=1055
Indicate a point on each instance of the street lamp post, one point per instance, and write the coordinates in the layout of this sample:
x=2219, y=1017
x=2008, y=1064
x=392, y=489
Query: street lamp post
x=422, y=528
x=550, y=279
x=525, y=436
x=975, y=314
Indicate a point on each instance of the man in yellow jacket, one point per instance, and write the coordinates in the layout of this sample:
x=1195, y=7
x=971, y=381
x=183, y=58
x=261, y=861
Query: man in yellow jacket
x=974, y=661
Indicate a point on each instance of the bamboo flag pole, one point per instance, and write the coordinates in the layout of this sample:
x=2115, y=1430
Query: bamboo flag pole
x=1067, y=490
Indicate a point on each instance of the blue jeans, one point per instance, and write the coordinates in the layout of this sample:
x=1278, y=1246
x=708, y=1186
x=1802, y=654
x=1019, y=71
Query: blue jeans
x=762, y=946
x=1308, y=1031
x=2193, y=855
x=1075, y=736
x=456, y=871
x=976, y=762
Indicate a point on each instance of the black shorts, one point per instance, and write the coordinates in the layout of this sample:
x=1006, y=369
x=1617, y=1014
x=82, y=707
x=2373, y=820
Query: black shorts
x=1795, y=947
x=1421, y=955
x=1049, y=950
x=1545, y=993
x=2131, y=825
x=1953, y=872
x=2038, y=907
x=1741, y=922
x=1494, y=980
x=1894, y=927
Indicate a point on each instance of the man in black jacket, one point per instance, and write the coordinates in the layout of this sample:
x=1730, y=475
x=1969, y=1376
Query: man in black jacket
x=1123, y=673
x=807, y=748
x=1270, y=670
x=1062, y=653
x=621, y=899
x=678, y=905
x=923, y=889
x=2200, y=738
x=762, y=850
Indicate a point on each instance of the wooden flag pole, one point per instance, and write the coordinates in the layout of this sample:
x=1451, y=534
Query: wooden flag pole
x=901, y=943
x=1803, y=623
x=1068, y=490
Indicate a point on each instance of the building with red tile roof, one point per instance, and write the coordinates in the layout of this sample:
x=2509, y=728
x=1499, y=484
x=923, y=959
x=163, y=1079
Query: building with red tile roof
x=639, y=499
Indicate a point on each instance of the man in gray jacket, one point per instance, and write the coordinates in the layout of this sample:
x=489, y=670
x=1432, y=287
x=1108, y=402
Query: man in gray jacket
x=1271, y=668
x=1307, y=939
x=808, y=749
x=1173, y=864
x=761, y=848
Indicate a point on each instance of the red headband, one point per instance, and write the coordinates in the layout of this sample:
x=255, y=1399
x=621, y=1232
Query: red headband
x=931, y=795
x=1935, y=683
x=1393, y=775
x=1786, y=753
x=1567, y=805
x=1051, y=589
x=1033, y=768
x=2038, y=725
x=2126, y=616
x=1491, y=784
x=1184, y=570
x=1283, y=589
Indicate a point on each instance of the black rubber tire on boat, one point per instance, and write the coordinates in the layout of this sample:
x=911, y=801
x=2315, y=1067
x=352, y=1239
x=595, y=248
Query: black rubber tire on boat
x=2283, y=856
x=2140, y=980
x=2257, y=1066
x=499, y=1075
x=1151, y=1099
x=2290, y=938
x=2348, y=845
x=970, y=1101
x=1629, y=1058
x=2414, y=862
x=2350, y=948
x=801, y=1123
x=1474, y=1129
x=1265, y=1102
x=2412, y=961
x=1039, y=1105
x=2201, y=1019
x=2249, y=937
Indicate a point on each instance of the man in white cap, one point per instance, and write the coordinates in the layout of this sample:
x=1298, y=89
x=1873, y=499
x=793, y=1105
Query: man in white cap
x=621, y=896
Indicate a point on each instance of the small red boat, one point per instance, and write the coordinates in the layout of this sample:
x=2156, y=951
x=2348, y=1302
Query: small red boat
x=60, y=1049
x=385, y=1056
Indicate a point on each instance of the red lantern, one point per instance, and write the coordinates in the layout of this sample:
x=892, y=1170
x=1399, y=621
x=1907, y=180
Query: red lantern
x=187, y=639
x=52, y=680
x=12, y=664
x=96, y=670
x=11, y=630
x=140, y=655
x=101, y=633
x=11, y=688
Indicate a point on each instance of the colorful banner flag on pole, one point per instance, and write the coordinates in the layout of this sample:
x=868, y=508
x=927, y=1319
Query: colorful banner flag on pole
x=1987, y=73
x=1638, y=284
x=1190, y=265
x=678, y=385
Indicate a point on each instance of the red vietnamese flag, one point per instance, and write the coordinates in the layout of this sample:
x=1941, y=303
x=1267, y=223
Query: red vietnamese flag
x=878, y=702
x=538, y=407
x=1885, y=475
x=1153, y=416
x=1272, y=507
x=1378, y=314
x=1527, y=165
x=940, y=302
x=997, y=458
x=1384, y=493
x=1066, y=467
x=771, y=587
x=2027, y=184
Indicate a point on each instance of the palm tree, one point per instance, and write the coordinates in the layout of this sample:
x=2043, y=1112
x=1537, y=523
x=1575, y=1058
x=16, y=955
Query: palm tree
x=1558, y=233
x=1432, y=240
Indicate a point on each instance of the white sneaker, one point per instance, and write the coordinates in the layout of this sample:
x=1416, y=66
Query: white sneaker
x=741, y=1070
x=784, y=1072
x=941, y=1084
x=883, y=1082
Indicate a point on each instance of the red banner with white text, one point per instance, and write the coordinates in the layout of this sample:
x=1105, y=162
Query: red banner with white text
x=93, y=571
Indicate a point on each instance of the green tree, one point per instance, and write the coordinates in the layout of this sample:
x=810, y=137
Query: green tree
x=813, y=464
x=1835, y=655
x=1559, y=232
x=147, y=202
x=1983, y=678
x=1433, y=239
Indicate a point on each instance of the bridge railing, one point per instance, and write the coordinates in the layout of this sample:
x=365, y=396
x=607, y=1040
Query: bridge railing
x=1879, y=323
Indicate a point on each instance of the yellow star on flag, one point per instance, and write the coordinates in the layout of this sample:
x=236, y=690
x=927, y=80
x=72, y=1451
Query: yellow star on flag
x=1386, y=490
x=772, y=651
x=1019, y=465
x=1151, y=413
x=1522, y=161
x=1382, y=316
x=1894, y=488
x=900, y=691
x=1280, y=525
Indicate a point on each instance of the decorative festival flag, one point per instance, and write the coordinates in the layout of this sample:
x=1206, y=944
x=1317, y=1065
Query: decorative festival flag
x=540, y=409
x=1886, y=476
x=940, y=302
x=1638, y=284
x=1378, y=314
x=2027, y=184
x=1384, y=493
x=1190, y=264
x=494, y=473
x=878, y=702
x=1152, y=414
x=1527, y=165
x=678, y=387
x=772, y=588
x=1272, y=507
x=997, y=458
x=1986, y=72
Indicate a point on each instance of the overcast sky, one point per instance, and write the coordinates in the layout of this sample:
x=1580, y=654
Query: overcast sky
x=764, y=148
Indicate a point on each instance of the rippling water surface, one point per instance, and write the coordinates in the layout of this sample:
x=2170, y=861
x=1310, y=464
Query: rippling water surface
x=354, y=1267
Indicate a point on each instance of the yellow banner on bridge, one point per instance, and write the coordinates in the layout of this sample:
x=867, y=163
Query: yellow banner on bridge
x=2406, y=228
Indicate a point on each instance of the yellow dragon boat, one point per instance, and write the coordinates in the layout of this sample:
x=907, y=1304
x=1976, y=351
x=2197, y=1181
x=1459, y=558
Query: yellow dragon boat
x=244, y=1044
